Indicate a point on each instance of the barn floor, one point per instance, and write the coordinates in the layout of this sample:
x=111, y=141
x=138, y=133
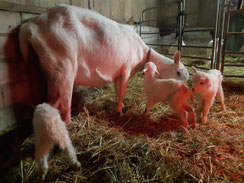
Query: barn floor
x=142, y=148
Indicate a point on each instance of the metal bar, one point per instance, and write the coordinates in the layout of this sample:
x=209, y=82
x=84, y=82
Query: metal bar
x=89, y=4
x=233, y=65
x=142, y=14
x=185, y=56
x=234, y=52
x=236, y=76
x=140, y=26
x=150, y=33
x=192, y=46
x=213, y=53
x=236, y=11
x=226, y=27
x=142, y=17
x=199, y=30
x=214, y=49
x=202, y=58
x=148, y=20
x=157, y=44
x=147, y=9
x=221, y=33
x=189, y=30
x=180, y=23
x=235, y=33
x=186, y=46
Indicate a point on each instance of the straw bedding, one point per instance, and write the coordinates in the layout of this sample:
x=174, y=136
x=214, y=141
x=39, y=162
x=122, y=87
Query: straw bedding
x=139, y=147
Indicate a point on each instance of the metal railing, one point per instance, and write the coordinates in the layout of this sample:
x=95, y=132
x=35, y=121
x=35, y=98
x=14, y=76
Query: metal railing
x=220, y=31
x=180, y=30
x=227, y=13
x=144, y=21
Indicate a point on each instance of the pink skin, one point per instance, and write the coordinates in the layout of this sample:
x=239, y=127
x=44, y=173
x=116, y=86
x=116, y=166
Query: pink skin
x=209, y=86
x=171, y=90
x=80, y=47
x=49, y=130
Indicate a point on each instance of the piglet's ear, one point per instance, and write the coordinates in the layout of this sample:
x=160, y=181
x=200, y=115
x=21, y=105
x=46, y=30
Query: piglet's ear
x=208, y=83
x=145, y=70
x=157, y=71
x=194, y=69
x=177, y=58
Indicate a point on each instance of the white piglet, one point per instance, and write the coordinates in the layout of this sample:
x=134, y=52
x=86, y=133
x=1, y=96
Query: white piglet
x=50, y=130
x=208, y=85
x=171, y=90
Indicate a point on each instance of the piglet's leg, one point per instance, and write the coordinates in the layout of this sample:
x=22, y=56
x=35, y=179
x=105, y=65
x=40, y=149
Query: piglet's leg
x=120, y=86
x=150, y=104
x=200, y=110
x=41, y=157
x=182, y=114
x=207, y=104
x=178, y=105
x=67, y=146
x=70, y=151
x=191, y=114
x=183, y=117
x=220, y=97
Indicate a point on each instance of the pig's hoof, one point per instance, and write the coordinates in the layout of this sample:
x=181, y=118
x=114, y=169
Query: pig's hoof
x=183, y=130
x=77, y=165
x=194, y=125
x=119, y=114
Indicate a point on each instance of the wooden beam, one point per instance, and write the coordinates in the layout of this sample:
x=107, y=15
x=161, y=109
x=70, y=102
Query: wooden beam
x=21, y=8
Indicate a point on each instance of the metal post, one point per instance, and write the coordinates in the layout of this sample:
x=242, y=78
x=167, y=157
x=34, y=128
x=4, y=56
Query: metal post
x=214, y=49
x=142, y=18
x=140, y=24
x=180, y=24
x=221, y=32
x=226, y=27
x=89, y=4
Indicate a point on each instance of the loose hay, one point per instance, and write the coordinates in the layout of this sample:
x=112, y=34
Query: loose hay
x=145, y=148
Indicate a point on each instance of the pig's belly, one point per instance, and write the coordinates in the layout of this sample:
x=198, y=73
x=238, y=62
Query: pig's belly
x=94, y=79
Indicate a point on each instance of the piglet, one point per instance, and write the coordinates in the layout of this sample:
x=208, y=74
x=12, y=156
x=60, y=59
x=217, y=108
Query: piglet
x=209, y=86
x=171, y=90
x=50, y=130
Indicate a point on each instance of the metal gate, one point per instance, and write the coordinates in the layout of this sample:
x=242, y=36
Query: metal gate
x=220, y=31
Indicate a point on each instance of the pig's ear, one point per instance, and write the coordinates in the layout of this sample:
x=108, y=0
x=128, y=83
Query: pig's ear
x=177, y=58
x=157, y=72
x=145, y=70
x=194, y=69
x=208, y=83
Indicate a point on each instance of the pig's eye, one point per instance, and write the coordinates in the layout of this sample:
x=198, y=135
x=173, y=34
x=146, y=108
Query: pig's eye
x=178, y=73
x=201, y=83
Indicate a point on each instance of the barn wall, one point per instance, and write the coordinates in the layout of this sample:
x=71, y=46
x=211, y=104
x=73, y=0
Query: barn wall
x=200, y=13
x=123, y=11
x=16, y=90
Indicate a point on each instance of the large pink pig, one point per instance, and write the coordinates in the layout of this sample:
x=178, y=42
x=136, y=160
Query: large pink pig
x=81, y=47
